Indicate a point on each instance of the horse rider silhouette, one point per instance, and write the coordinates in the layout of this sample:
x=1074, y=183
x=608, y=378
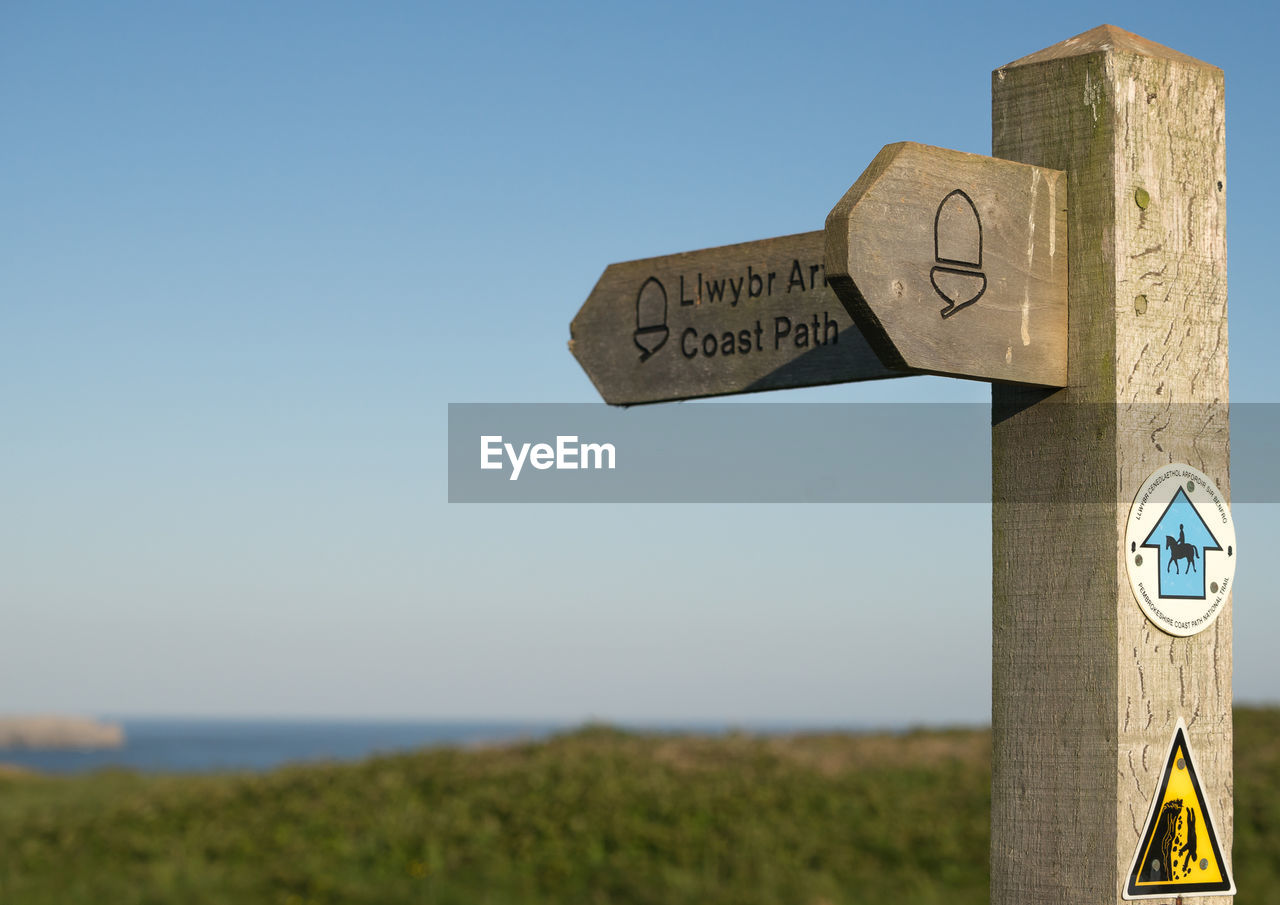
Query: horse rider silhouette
x=1179, y=549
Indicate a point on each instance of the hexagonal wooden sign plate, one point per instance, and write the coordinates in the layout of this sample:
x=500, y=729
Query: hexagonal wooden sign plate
x=734, y=319
x=955, y=264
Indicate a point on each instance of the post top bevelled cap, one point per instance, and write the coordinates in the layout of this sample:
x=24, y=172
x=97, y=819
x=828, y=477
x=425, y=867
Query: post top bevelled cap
x=1102, y=39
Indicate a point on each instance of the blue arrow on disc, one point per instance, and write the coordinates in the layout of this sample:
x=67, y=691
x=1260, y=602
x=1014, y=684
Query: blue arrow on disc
x=1182, y=539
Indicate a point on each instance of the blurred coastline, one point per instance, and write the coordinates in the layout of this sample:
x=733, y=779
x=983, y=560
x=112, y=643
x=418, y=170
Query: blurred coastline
x=204, y=745
x=191, y=745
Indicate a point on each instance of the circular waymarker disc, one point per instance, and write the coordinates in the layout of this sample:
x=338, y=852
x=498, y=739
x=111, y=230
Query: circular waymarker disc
x=1180, y=544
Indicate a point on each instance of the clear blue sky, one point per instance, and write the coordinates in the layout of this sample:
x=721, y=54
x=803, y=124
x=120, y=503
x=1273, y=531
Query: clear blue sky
x=250, y=251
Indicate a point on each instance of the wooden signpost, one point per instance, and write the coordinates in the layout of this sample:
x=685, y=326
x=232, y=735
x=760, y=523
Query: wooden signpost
x=1086, y=281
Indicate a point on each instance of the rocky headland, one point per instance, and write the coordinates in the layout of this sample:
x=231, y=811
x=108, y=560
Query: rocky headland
x=48, y=731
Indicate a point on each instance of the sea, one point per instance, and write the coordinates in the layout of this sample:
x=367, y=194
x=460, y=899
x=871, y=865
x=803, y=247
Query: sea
x=160, y=745
x=173, y=745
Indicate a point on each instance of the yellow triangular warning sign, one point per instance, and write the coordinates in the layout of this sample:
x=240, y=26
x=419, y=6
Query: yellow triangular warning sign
x=1178, y=852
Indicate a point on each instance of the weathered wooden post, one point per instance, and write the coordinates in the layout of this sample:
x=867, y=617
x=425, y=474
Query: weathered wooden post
x=1086, y=690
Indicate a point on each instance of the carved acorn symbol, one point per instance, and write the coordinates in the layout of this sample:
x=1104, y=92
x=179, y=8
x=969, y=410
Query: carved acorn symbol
x=651, y=317
x=957, y=247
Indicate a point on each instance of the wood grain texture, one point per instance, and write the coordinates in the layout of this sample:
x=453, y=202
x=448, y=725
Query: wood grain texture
x=1086, y=692
x=956, y=264
x=734, y=319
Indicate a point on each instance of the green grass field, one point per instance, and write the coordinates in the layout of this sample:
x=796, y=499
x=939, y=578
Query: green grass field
x=597, y=816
